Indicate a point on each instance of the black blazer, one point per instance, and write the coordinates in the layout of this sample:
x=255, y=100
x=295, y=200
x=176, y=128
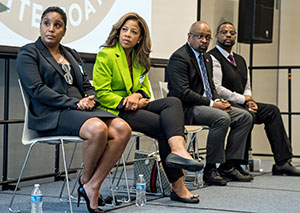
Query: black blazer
x=43, y=79
x=185, y=80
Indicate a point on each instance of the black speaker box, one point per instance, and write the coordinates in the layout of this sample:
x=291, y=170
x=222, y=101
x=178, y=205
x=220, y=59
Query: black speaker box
x=255, y=21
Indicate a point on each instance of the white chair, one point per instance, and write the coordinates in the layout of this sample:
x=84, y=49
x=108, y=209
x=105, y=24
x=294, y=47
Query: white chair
x=31, y=137
x=190, y=130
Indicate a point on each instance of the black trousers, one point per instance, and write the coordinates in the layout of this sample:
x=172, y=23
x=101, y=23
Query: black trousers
x=161, y=119
x=269, y=115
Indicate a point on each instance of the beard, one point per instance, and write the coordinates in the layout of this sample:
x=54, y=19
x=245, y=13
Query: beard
x=225, y=44
x=202, y=48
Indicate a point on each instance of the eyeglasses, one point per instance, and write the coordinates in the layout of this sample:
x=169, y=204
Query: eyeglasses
x=224, y=32
x=68, y=76
x=201, y=36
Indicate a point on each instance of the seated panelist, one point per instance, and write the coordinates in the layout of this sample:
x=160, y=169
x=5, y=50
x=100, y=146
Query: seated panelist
x=120, y=78
x=63, y=102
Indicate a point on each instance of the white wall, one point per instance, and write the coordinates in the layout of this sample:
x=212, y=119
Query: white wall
x=289, y=55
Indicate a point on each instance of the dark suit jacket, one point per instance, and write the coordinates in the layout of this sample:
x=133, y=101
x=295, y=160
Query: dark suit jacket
x=185, y=80
x=43, y=79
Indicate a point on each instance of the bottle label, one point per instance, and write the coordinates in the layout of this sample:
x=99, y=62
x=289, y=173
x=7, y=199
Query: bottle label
x=141, y=186
x=36, y=198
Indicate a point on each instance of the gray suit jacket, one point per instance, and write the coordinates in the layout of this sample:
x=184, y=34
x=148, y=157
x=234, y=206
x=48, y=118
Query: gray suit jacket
x=43, y=79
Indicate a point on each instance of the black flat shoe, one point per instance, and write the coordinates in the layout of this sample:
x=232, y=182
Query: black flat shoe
x=285, y=169
x=175, y=161
x=175, y=197
x=101, y=201
x=81, y=193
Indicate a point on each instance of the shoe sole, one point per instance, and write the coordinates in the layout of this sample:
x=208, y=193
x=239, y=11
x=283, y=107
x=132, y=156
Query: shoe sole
x=216, y=184
x=180, y=166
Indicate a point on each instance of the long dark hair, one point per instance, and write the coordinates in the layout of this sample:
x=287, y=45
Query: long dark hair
x=142, y=49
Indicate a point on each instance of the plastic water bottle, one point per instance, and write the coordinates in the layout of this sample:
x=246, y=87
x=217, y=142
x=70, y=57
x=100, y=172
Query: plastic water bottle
x=140, y=191
x=199, y=180
x=250, y=161
x=36, y=199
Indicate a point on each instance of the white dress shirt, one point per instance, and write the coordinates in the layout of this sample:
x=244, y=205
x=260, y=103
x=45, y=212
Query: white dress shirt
x=223, y=91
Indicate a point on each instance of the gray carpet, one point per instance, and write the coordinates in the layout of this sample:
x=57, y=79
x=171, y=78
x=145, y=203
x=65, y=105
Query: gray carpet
x=266, y=193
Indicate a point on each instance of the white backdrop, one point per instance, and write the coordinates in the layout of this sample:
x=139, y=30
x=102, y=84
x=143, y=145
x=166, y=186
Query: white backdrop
x=89, y=21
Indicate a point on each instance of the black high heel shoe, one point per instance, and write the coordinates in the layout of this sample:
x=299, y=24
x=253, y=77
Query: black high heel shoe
x=101, y=201
x=81, y=192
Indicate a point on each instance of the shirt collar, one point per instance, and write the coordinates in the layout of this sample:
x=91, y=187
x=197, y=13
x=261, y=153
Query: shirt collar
x=195, y=52
x=223, y=52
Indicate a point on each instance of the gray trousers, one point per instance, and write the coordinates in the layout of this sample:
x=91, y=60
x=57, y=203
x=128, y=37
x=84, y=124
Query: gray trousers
x=239, y=121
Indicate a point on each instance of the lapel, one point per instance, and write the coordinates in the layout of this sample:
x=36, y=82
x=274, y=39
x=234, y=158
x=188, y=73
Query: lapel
x=194, y=60
x=122, y=64
x=75, y=66
x=47, y=55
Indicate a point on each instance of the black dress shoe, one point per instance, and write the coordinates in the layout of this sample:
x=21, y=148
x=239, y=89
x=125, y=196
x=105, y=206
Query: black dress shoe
x=175, y=197
x=175, y=161
x=244, y=172
x=212, y=177
x=285, y=169
x=233, y=175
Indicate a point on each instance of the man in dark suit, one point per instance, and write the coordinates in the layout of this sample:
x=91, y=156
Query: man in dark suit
x=189, y=74
x=232, y=81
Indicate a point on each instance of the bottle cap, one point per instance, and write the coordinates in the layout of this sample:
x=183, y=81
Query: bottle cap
x=36, y=185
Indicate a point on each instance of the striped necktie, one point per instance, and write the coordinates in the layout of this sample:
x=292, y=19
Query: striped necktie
x=208, y=93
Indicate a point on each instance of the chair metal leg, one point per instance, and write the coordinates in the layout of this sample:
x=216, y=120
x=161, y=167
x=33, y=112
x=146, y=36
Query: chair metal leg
x=67, y=177
x=157, y=166
x=77, y=178
x=112, y=191
x=70, y=163
x=126, y=180
x=128, y=154
x=19, y=179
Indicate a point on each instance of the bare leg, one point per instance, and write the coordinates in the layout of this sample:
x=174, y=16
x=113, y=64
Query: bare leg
x=176, y=144
x=109, y=150
x=180, y=189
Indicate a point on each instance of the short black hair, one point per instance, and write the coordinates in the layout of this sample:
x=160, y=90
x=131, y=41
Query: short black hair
x=57, y=10
x=225, y=22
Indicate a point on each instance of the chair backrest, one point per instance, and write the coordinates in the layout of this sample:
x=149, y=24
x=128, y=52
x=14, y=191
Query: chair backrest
x=151, y=92
x=28, y=134
x=163, y=86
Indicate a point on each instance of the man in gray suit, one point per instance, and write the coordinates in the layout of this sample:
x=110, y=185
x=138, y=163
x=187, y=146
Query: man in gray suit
x=189, y=74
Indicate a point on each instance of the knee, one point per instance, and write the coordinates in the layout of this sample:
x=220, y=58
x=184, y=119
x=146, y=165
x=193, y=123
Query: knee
x=274, y=109
x=122, y=129
x=247, y=117
x=224, y=120
x=174, y=101
x=95, y=130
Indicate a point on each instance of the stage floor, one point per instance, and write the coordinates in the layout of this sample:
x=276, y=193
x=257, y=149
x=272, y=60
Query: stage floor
x=266, y=193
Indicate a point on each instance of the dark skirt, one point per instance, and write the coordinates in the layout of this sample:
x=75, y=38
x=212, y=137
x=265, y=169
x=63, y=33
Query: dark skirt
x=70, y=121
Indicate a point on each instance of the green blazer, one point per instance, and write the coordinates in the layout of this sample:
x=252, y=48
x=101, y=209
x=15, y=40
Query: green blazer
x=112, y=80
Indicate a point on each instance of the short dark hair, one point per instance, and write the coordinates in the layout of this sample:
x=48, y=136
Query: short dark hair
x=57, y=10
x=225, y=22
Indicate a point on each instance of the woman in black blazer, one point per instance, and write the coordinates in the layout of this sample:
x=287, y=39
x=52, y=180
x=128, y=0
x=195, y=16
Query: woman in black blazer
x=62, y=102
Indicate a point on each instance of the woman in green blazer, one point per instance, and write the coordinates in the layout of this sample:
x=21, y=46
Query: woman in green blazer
x=120, y=78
